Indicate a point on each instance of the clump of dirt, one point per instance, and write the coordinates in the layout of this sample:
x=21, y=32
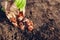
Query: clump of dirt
x=44, y=14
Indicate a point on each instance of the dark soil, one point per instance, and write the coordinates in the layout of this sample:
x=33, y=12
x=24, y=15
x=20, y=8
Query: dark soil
x=46, y=18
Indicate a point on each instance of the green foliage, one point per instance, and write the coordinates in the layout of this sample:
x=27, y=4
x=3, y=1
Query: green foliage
x=20, y=4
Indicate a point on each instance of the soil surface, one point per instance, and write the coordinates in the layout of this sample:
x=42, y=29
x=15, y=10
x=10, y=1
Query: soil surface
x=45, y=16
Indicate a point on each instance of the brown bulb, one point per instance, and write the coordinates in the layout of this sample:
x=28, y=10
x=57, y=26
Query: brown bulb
x=30, y=28
x=21, y=26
